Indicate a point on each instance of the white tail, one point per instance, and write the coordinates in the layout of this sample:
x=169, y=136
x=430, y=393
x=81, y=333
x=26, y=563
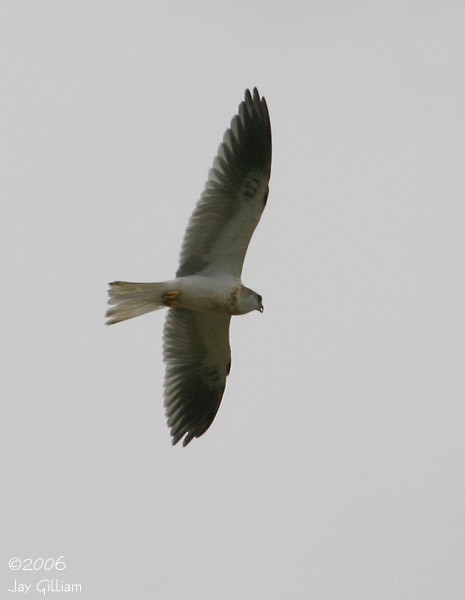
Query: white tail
x=134, y=299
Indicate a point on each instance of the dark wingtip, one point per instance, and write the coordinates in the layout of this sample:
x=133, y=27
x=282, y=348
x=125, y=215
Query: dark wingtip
x=177, y=438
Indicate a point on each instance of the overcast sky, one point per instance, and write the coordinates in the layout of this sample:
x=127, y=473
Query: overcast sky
x=335, y=467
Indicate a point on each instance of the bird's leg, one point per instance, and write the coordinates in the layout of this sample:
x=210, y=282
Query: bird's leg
x=171, y=299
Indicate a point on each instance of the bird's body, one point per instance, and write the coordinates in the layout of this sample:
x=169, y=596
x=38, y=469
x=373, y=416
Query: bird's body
x=203, y=293
x=208, y=289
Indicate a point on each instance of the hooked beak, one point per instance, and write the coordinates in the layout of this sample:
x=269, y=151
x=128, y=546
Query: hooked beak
x=260, y=308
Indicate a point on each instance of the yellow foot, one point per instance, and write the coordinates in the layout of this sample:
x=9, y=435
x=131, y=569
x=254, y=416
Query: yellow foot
x=171, y=299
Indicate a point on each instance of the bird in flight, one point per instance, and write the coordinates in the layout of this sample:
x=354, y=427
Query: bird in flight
x=207, y=289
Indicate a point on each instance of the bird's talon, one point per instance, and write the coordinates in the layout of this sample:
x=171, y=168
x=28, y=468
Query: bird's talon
x=171, y=299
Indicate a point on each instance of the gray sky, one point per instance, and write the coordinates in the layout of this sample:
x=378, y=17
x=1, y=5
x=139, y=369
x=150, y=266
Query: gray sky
x=335, y=467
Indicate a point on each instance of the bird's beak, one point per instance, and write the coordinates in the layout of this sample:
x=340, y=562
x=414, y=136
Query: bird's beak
x=260, y=308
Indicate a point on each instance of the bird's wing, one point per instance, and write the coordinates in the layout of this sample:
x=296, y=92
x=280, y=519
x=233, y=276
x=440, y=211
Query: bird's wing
x=198, y=359
x=235, y=194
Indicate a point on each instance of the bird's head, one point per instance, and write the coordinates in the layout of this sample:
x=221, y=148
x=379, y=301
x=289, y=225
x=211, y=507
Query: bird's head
x=248, y=301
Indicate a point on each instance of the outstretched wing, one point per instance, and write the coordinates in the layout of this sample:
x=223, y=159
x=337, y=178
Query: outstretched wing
x=198, y=359
x=235, y=194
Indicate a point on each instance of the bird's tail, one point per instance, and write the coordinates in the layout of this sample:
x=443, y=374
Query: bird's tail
x=134, y=299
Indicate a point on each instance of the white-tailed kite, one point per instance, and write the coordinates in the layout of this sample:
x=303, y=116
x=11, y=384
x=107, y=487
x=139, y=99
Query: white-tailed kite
x=207, y=289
